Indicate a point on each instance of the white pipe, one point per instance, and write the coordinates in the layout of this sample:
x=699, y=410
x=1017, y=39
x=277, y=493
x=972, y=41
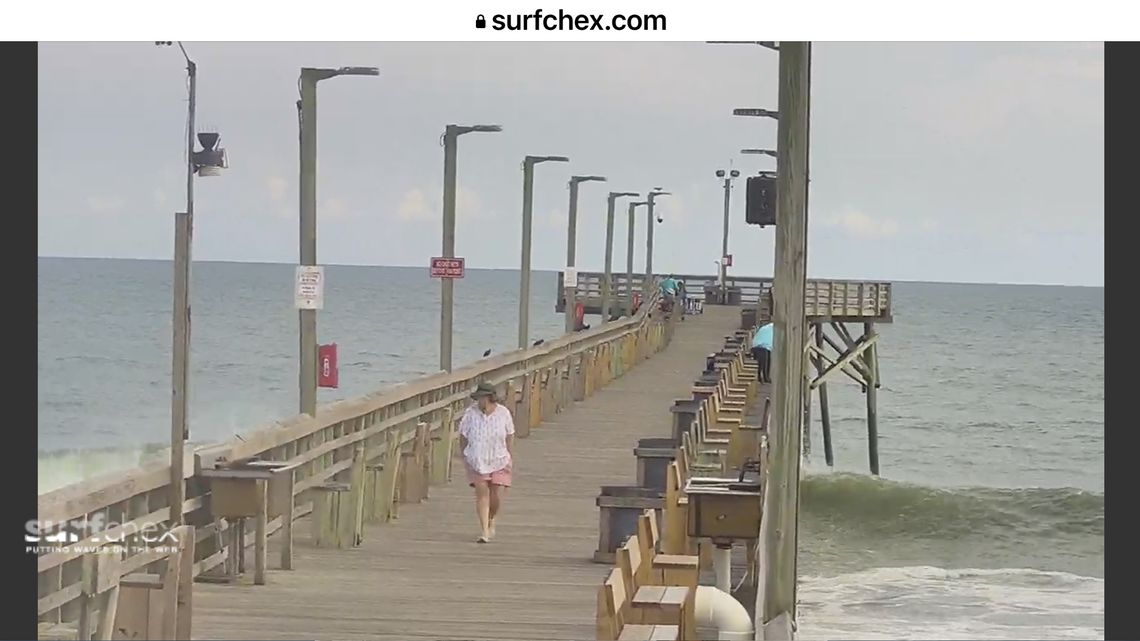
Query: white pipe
x=719, y=609
x=722, y=566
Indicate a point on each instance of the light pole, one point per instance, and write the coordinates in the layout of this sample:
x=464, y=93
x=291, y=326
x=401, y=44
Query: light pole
x=572, y=246
x=647, y=284
x=447, y=285
x=607, y=283
x=728, y=177
x=208, y=162
x=527, y=224
x=307, y=113
x=629, y=256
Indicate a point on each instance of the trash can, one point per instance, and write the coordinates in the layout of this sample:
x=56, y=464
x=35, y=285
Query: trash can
x=619, y=506
x=748, y=318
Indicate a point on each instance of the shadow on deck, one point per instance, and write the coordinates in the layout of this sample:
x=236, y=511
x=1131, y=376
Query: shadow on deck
x=423, y=576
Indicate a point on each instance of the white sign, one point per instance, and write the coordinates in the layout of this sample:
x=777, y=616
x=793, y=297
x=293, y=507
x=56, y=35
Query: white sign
x=570, y=277
x=310, y=287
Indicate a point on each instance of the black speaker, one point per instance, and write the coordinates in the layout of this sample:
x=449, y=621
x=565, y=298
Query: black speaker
x=760, y=200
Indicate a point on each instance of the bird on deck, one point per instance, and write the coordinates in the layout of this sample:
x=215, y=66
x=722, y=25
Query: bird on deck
x=539, y=342
x=486, y=353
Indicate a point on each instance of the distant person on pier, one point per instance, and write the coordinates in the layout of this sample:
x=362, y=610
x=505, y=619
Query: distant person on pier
x=762, y=352
x=668, y=286
x=487, y=438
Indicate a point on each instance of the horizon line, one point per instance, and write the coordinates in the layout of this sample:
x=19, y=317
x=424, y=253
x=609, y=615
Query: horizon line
x=553, y=271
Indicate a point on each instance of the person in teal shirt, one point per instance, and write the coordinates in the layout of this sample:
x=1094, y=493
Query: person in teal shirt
x=762, y=352
x=668, y=286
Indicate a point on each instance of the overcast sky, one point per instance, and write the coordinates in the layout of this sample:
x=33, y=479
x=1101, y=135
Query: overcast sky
x=930, y=161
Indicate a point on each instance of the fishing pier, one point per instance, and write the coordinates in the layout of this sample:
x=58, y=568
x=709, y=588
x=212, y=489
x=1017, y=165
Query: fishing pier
x=656, y=479
x=353, y=524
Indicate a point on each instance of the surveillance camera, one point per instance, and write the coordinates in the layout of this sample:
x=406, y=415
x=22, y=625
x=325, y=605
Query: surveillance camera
x=720, y=173
x=735, y=173
x=660, y=219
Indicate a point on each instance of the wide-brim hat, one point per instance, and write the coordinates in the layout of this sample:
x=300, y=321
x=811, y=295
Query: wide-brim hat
x=484, y=389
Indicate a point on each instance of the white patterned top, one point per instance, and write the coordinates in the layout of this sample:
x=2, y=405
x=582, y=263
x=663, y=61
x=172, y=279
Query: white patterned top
x=486, y=436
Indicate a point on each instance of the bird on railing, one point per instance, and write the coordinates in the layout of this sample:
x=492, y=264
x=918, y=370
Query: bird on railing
x=486, y=353
x=539, y=342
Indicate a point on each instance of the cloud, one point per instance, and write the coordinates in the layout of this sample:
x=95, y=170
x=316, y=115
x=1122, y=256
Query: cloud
x=671, y=209
x=1009, y=87
x=333, y=209
x=102, y=205
x=277, y=188
x=416, y=206
x=853, y=222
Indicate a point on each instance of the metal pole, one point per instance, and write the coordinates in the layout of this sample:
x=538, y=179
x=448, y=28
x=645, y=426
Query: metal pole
x=724, y=241
x=307, y=372
x=609, y=263
x=571, y=249
x=629, y=261
x=647, y=284
x=447, y=285
x=180, y=366
x=779, y=527
x=524, y=269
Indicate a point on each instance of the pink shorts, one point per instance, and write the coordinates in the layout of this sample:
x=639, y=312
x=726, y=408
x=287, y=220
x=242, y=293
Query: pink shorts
x=500, y=477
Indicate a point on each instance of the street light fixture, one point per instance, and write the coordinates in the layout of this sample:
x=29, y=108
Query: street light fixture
x=632, y=224
x=571, y=292
x=447, y=285
x=307, y=115
x=527, y=227
x=607, y=284
x=767, y=45
x=756, y=113
x=647, y=284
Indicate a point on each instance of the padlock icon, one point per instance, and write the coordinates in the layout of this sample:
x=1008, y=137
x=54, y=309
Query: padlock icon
x=480, y=22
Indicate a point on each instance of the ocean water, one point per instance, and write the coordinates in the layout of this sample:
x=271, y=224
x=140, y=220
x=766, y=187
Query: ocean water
x=988, y=521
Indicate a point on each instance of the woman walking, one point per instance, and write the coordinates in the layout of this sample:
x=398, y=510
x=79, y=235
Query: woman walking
x=487, y=438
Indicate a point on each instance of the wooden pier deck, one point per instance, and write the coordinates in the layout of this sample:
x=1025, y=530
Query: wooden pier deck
x=423, y=576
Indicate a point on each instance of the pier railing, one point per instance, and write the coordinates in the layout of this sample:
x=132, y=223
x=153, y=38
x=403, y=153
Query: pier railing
x=409, y=428
x=828, y=299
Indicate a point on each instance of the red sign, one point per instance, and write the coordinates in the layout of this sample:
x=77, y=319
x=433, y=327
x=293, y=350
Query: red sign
x=728, y=260
x=442, y=267
x=579, y=311
x=327, y=375
x=636, y=300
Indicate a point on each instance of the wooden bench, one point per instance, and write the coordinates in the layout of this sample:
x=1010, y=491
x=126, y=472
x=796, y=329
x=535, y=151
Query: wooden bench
x=650, y=595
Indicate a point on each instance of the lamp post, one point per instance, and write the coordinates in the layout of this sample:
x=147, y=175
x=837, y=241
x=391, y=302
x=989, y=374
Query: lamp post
x=572, y=246
x=647, y=284
x=208, y=162
x=447, y=285
x=607, y=283
x=629, y=256
x=307, y=219
x=728, y=177
x=527, y=224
